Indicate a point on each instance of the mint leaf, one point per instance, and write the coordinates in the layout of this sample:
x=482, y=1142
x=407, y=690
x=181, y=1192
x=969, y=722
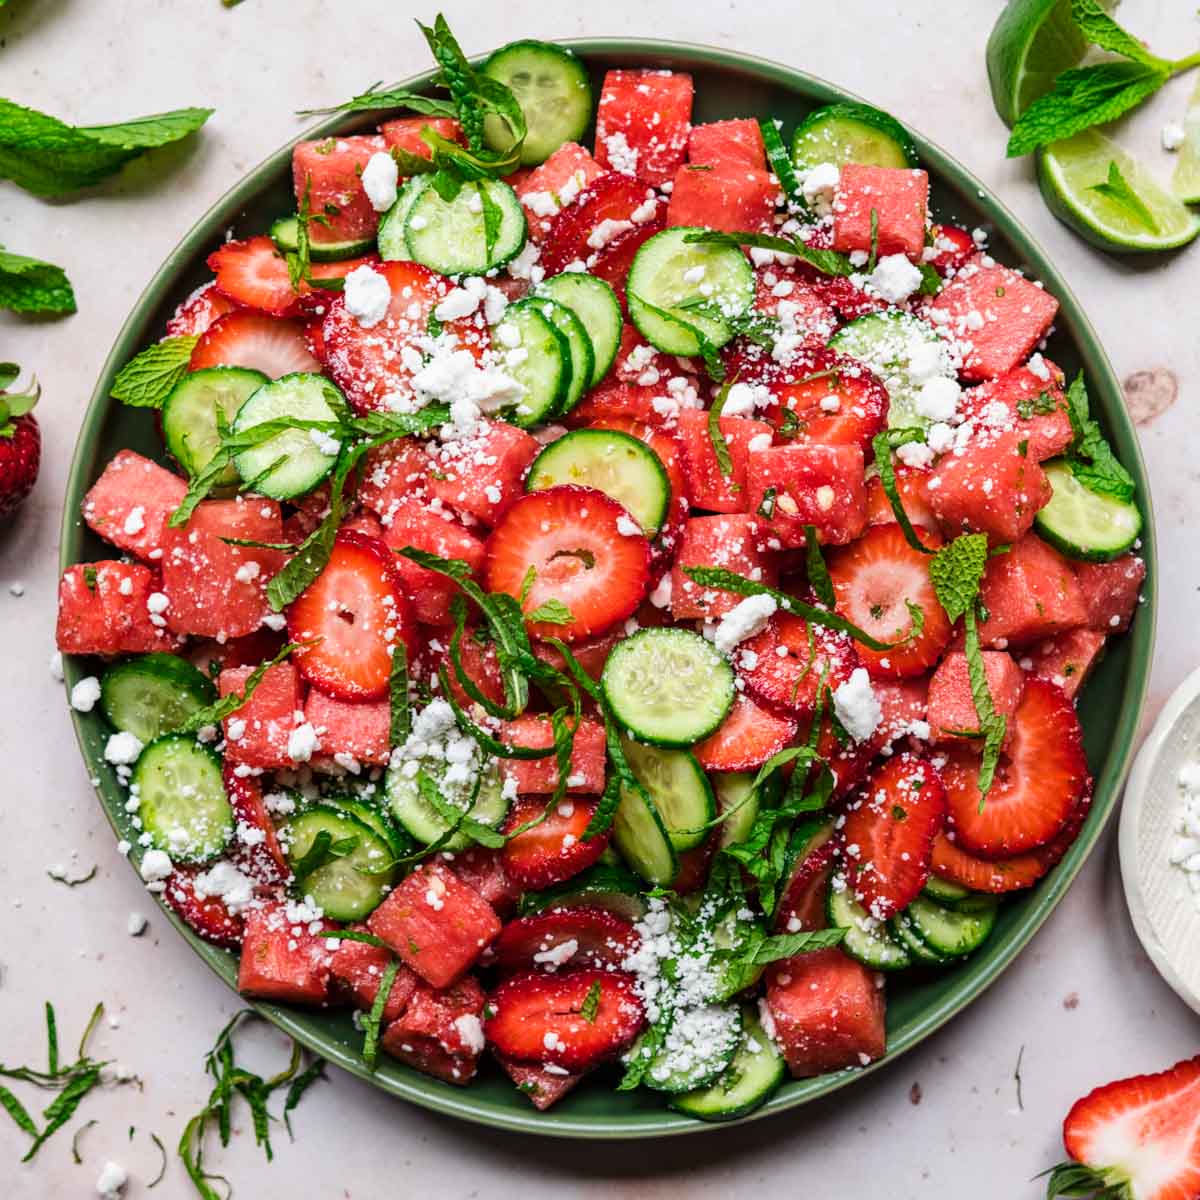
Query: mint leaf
x=1090, y=457
x=788, y=945
x=719, y=444
x=32, y=286
x=818, y=572
x=213, y=714
x=991, y=724
x=374, y=1019
x=828, y=262
x=373, y=99
x=931, y=281
x=398, y=694
x=1116, y=188
x=1101, y=30
x=956, y=572
x=883, y=444
x=552, y=612
x=147, y=380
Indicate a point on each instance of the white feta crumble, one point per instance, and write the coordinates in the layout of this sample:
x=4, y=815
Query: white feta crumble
x=56, y=666
x=1173, y=136
x=367, y=296
x=85, y=694
x=462, y=301
x=857, y=706
x=470, y=1029
x=627, y=527
x=895, y=278
x=557, y=955
x=111, y=1182
x=380, y=178
x=135, y=521
x=747, y=618
x=302, y=743
x=915, y=454
x=661, y=596
x=938, y=399
x=819, y=184
x=122, y=748
x=743, y=398
x=327, y=445
x=225, y=882
x=156, y=866
x=136, y=925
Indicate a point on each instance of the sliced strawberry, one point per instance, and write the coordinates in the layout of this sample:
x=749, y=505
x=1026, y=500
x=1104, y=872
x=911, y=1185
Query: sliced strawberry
x=889, y=833
x=953, y=248
x=613, y=262
x=539, y=1018
x=876, y=579
x=255, y=850
x=745, y=739
x=208, y=917
x=612, y=197
x=1039, y=779
x=254, y=274
x=694, y=865
x=802, y=902
x=572, y=538
x=787, y=663
x=358, y=610
x=565, y=938
x=554, y=849
x=848, y=301
x=199, y=311
x=262, y=343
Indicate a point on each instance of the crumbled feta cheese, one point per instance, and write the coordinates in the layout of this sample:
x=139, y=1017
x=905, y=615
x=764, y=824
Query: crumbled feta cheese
x=56, y=666
x=367, y=296
x=938, y=398
x=302, y=743
x=327, y=445
x=380, y=178
x=470, y=1029
x=915, y=454
x=857, y=706
x=156, y=866
x=111, y=1182
x=743, y=398
x=819, y=184
x=122, y=748
x=136, y=925
x=743, y=621
x=225, y=882
x=85, y=694
x=661, y=596
x=557, y=955
x=627, y=527
x=462, y=301
x=135, y=521
x=895, y=278
x=1173, y=136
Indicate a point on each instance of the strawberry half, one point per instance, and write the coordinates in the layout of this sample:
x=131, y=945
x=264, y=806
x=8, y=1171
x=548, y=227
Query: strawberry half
x=554, y=849
x=255, y=849
x=613, y=262
x=565, y=937
x=1139, y=1137
x=612, y=197
x=247, y=339
x=573, y=539
x=954, y=248
x=255, y=275
x=1039, y=779
x=786, y=664
x=195, y=314
x=875, y=579
x=20, y=456
x=355, y=611
x=889, y=833
x=208, y=917
x=539, y=1018
x=745, y=739
x=802, y=901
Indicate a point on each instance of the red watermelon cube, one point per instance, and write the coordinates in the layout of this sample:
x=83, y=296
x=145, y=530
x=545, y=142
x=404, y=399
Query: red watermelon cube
x=828, y=1011
x=898, y=196
x=732, y=198
x=257, y=734
x=484, y=474
x=550, y=187
x=351, y=730
x=441, y=1031
x=540, y=775
x=707, y=487
x=436, y=923
x=735, y=542
x=415, y=524
x=911, y=484
x=1024, y=401
x=331, y=171
x=1030, y=592
x=996, y=317
x=951, y=707
x=103, y=609
x=1066, y=660
x=642, y=123
x=728, y=143
x=1110, y=591
x=540, y=1087
x=357, y=970
x=394, y=472
x=130, y=503
x=405, y=133
x=482, y=868
x=810, y=484
x=284, y=960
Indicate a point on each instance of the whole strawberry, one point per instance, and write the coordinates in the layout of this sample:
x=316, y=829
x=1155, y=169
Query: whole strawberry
x=20, y=441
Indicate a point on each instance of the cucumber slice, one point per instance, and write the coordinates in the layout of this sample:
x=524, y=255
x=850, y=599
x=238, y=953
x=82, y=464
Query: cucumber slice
x=450, y=236
x=751, y=1079
x=408, y=806
x=189, y=415
x=950, y=933
x=291, y=463
x=669, y=272
x=851, y=133
x=735, y=974
x=1082, y=523
x=544, y=367
x=669, y=687
x=392, y=244
x=901, y=928
x=732, y=789
x=641, y=838
x=615, y=463
x=614, y=888
x=153, y=694
x=595, y=303
x=375, y=819
x=285, y=233
x=579, y=346
x=555, y=94
x=698, y=1047
x=943, y=891
x=357, y=870
x=678, y=789
x=866, y=939
x=181, y=798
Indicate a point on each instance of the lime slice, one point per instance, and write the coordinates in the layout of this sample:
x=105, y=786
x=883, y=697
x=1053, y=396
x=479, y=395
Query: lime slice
x=1186, y=182
x=1033, y=42
x=1152, y=219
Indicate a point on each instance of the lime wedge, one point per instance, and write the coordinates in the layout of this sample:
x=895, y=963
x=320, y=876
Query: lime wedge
x=1075, y=176
x=1033, y=42
x=1186, y=182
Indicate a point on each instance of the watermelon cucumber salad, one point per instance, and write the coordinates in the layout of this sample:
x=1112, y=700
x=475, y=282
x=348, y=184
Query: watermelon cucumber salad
x=611, y=608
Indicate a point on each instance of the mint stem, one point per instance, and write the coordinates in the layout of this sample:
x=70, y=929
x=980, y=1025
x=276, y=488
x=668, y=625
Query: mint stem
x=1185, y=64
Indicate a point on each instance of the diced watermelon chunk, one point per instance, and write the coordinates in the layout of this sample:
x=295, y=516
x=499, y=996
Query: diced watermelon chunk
x=482, y=868
x=1110, y=591
x=642, y=123
x=1029, y=593
x=1015, y=316
x=990, y=487
x=102, y=609
x=540, y=1087
x=735, y=542
x=414, y=524
x=265, y=722
x=216, y=589
x=811, y=484
x=900, y=199
x=331, y=171
x=727, y=143
x=707, y=487
x=354, y=730
x=557, y=182
x=827, y=1011
x=130, y=503
x=394, y=472
x=951, y=706
x=911, y=484
x=616, y=399
x=484, y=474
x=732, y=198
x=1066, y=660
x=540, y=775
x=1024, y=401
x=357, y=970
x=405, y=132
x=283, y=960
x=440, y=1033
x=436, y=923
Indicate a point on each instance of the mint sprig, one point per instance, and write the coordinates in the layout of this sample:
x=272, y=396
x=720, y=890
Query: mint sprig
x=1116, y=188
x=1090, y=457
x=150, y=377
x=29, y=285
x=828, y=262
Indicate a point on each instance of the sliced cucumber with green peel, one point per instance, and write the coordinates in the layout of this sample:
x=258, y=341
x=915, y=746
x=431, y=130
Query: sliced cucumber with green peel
x=392, y=244
x=423, y=822
x=698, y=1047
x=293, y=462
x=451, y=236
x=153, y=694
x=538, y=357
x=379, y=822
x=678, y=789
x=579, y=346
x=595, y=303
x=190, y=424
x=182, y=801
x=732, y=790
x=669, y=274
x=353, y=875
x=944, y=891
x=1084, y=524
x=608, y=886
x=669, y=687
x=615, y=463
x=901, y=928
x=285, y=233
x=851, y=133
x=952, y=933
x=555, y=94
x=867, y=939
x=751, y=1079
x=641, y=839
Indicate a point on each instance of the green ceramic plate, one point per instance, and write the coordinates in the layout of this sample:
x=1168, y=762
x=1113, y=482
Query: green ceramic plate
x=727, y=85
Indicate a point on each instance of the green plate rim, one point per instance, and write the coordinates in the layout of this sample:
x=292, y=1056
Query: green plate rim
x=972, y=978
